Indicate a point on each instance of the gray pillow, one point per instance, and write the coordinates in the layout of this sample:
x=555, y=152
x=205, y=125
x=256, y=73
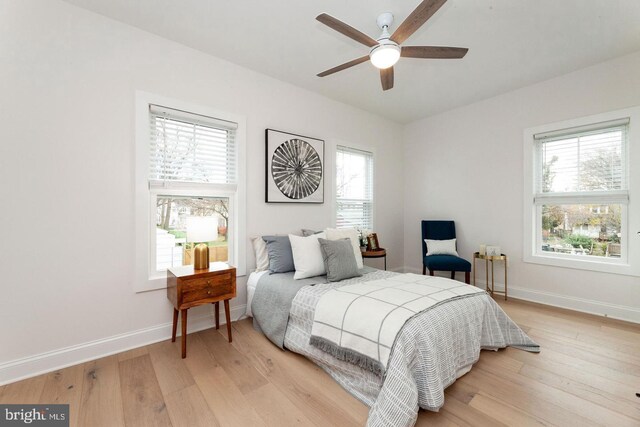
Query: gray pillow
x=280, y=254
x=339, y=260
x=306, y=232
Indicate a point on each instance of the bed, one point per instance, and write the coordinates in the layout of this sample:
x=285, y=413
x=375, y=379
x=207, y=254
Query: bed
x=431, y=351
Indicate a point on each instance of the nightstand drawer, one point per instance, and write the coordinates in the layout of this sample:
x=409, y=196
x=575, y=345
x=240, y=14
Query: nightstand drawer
x=206, y=287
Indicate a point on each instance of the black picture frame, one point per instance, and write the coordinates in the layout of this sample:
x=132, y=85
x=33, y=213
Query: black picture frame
x=286, y=180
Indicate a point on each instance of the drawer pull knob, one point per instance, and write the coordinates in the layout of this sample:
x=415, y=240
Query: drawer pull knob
x=208, y=282
x=208, y=292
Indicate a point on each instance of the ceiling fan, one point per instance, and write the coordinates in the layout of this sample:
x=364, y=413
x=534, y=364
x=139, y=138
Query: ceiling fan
x=386, y=50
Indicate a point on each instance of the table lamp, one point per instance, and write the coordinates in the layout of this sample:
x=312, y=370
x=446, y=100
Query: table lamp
x=201, y=229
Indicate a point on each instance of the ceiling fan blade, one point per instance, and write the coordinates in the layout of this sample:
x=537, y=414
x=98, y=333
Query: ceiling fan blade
x=434, y=52
x=345, y=29
x=344, y=66
x=386, y=76
x=419, y=16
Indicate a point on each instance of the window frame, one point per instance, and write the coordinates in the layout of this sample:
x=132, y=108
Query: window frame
x=146, y=277
x=628, y=263
x=354, y=147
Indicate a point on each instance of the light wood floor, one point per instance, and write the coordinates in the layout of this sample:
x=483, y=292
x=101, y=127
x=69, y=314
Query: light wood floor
x=587, y=374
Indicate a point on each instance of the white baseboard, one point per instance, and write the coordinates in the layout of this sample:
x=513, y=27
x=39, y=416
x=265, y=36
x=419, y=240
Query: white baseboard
x=614, y=311
x=31, y=366
x=583, y=305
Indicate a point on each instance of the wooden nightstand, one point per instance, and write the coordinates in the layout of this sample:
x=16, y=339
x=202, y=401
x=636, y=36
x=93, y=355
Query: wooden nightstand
x=188, y=288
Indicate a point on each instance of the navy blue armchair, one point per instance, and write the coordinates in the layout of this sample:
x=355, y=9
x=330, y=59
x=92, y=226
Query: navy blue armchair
x=442, y=230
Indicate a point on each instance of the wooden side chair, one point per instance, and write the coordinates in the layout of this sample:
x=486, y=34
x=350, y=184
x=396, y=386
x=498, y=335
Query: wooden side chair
x=442, y=230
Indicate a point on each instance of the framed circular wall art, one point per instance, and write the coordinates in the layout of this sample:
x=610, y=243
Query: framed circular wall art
x=294, y=168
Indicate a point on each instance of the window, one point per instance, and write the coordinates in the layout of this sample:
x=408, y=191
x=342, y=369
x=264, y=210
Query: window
x=188, y=166
x=578, y=181
x=172, y=247
x=354, y=188
x=582, y=190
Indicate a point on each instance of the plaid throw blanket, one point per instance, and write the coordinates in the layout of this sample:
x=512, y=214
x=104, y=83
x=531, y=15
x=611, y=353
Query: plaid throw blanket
x=359, y=323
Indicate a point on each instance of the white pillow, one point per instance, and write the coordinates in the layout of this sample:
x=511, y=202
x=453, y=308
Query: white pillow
x=262, y=257
x=353, y=235
x=441, y=247
x=307, y=255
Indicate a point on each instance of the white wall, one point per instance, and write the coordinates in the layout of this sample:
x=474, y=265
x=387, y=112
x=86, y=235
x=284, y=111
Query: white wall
x=466, y=165
x=67, y=89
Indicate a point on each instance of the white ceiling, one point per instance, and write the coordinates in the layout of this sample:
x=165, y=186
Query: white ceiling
x=512, y=43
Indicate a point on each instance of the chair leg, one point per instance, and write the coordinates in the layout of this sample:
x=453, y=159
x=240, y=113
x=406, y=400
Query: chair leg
x=453, y=275
x=424, y=269
x=431, y=272
x=467, y=277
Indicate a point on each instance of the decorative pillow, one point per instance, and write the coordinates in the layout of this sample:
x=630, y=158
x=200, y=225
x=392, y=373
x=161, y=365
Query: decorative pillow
x=308, y=232
x=339, y=260
x=262, y=257
x=280, y=255
x=307, y=256
x=441, y=247
x=352, y=234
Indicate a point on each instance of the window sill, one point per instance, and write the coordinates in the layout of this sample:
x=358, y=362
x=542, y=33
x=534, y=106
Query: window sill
x=617, y=266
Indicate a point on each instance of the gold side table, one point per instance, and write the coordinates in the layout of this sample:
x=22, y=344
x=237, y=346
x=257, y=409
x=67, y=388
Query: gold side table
x=487, y=259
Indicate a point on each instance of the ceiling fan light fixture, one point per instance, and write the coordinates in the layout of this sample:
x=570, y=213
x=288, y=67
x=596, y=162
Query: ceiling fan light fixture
x=385, y=52
x=385, y=55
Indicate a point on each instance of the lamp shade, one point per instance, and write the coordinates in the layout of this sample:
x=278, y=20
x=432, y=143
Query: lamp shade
x=202, y=229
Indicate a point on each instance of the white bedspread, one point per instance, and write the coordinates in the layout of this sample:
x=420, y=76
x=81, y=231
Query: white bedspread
x=252, y=282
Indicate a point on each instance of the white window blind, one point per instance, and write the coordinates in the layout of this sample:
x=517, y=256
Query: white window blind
x=589, y=161
x=354, y=188
x=187, y=147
